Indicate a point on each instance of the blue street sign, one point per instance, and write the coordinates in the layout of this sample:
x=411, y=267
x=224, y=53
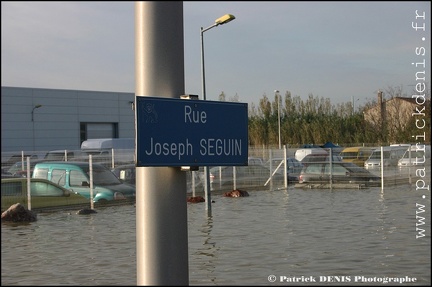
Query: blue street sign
x=184, y=132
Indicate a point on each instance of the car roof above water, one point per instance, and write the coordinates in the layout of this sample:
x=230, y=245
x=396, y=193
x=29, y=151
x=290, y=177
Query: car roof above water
x=66, y=164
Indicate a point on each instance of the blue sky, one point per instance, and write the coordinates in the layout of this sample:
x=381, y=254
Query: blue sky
x=336, y=50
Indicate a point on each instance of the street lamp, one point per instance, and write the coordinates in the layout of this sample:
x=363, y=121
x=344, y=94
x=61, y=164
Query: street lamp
x=353, y=109
x=277, y=98
x=219, y=21
x=32, y=112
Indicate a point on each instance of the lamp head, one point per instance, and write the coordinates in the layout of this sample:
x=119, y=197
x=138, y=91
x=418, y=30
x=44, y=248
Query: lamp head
x=224, y=19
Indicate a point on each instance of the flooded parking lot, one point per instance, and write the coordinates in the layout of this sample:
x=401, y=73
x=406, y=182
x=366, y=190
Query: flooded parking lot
x=278, y=235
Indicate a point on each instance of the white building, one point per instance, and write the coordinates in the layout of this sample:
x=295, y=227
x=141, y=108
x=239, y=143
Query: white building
x=49, y=119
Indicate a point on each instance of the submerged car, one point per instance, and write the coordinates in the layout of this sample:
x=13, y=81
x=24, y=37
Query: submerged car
x=357, y=155
x=416, y=155
x=75, y=176
x=20, y=170
x=294, y=167
x=320, y=158
x=337, y=172
x=127, y=174
x=390, y=156
x=43, y=194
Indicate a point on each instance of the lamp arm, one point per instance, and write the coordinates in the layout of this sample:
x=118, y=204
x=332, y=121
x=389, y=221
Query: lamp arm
x=208, y=28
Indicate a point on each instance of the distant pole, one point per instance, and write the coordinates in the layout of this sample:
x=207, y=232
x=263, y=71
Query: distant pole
x=279, y=124
x=161, y=205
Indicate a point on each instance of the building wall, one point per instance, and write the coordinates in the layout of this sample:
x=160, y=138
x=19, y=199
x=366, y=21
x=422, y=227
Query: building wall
x=56, y=125
x=397, y=112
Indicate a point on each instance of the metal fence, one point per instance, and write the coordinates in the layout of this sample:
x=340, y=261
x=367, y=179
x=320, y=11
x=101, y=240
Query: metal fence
x=270, y=168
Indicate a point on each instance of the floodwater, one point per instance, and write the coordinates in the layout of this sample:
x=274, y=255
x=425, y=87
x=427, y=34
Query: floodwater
x=280, y=237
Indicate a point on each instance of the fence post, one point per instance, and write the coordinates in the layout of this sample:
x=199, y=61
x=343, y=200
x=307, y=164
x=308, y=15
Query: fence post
x=22, y=160
x=271, y=168
x=331, y=168
x=286, y=167
x=193, y=182
x=234, y=178
x=112, y=158
x=91, y=181
x=28, y=184
x=382, y=168
x=409, y=165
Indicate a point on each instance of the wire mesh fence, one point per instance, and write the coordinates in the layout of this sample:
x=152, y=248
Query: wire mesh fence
x=354, y=167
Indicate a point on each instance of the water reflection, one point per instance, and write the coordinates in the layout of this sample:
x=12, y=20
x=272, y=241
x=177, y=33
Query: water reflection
x=206, y=254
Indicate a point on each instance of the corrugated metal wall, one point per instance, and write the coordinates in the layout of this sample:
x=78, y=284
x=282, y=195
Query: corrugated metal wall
x=56, y=124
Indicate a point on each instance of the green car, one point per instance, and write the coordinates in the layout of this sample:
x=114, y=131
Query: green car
x=75, y=176
x=44, y=194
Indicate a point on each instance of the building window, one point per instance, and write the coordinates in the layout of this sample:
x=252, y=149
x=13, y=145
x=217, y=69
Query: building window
x=98, y=131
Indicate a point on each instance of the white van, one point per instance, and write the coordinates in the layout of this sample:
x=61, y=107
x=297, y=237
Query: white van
x=391, y=156
x=99, y=145
x=301, y=153
x=102, y=149
x=416, y=155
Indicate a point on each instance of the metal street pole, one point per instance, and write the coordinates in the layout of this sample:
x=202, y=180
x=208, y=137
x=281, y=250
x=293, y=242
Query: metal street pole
x=207, y=195
x=161, y=205
x=222, y=20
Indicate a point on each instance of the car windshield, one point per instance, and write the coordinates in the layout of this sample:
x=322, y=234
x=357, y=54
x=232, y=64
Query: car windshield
x=102, y=176
x=377, y=155
x=321, y=158
x=17, y=167
x=414, y=154
x=347, y=155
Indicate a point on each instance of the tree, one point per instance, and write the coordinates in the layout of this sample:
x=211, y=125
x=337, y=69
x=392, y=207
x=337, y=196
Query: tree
x=222, y=97
x=316, y=121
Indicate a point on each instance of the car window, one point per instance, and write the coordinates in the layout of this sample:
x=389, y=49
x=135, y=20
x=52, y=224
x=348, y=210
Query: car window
x=11, y=188
x=414, y=154
x=103, y=176
x=126, y=174
x=349, y=155
x=17, y=167
x=313, y=169
x=59, y=176
x=54, y=156
x=14, y=168
x=45, y=189
x=76, y=178
x=337, y=169
x=41, y=173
